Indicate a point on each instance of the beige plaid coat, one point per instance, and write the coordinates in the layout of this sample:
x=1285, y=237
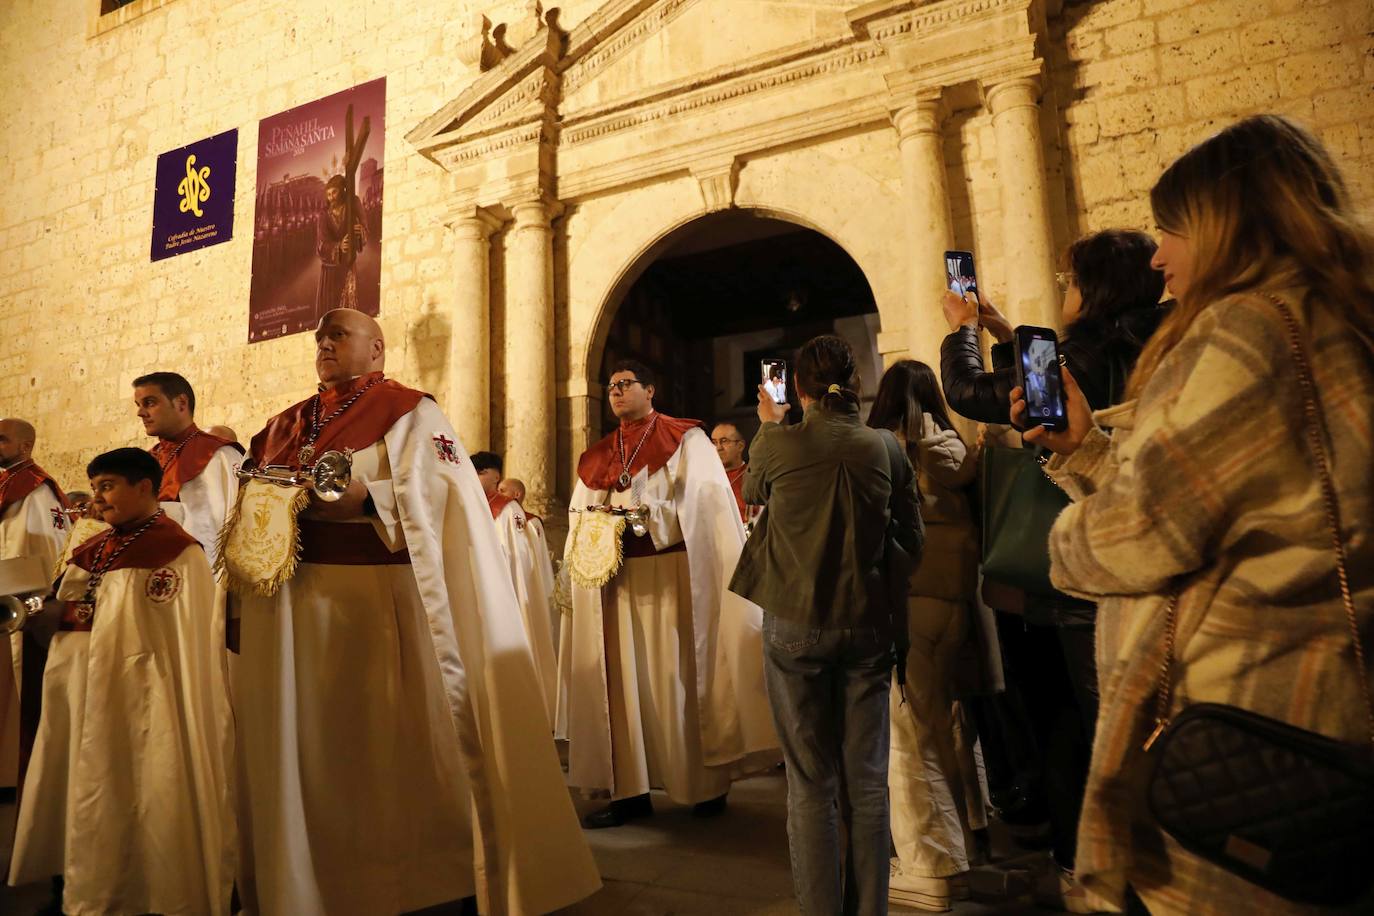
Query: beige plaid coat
x=1207, y=486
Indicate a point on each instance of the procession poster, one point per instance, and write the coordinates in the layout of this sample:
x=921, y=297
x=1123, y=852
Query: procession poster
x=311, y=161
x=193, y=195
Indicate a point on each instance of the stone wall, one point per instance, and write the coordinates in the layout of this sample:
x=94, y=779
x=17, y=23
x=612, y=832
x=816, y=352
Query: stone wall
x=1143, y=80
x=84, y=311
x=1130, y=84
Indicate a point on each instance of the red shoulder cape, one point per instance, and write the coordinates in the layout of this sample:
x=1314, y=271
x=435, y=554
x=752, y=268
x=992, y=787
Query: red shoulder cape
x=162, y=543
x=19, y=482
x=361, y=425
x=200, y=447
x=599, y=465
x=497, y=502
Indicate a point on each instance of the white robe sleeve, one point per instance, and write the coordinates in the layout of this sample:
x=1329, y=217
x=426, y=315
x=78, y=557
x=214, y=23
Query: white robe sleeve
x=35, y=527
x=533, y=857
x=206, y=498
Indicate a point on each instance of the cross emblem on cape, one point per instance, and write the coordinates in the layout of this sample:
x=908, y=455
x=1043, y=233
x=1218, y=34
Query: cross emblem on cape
x=444, y=448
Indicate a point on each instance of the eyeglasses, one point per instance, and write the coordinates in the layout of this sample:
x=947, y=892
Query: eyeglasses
x=622, y=386
x=1065, y=279
x=723, y=440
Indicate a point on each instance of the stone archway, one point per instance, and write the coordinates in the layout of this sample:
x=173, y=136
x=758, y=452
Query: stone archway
x=720, y=289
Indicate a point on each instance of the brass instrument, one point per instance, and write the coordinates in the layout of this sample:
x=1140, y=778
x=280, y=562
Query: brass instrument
x=328, y=478
x=636, y=516
x=23, y=584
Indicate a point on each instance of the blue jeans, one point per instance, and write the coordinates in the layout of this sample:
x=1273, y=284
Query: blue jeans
x=829, y=693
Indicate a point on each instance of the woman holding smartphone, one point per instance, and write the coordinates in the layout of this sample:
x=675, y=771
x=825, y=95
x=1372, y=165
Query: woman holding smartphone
x=1207, y=498
x=840, y=499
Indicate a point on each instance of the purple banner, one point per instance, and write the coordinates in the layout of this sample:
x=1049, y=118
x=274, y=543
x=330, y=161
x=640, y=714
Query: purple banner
x=319, y=171
x=193, y=196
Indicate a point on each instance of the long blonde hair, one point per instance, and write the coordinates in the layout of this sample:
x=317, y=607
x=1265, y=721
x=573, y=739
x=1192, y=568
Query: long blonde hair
x=1261, y=199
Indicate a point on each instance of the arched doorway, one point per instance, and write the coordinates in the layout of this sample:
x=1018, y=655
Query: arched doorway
x=720, y=295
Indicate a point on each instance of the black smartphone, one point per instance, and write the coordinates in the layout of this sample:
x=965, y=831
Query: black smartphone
x=1037, y=373
x=773, y=375
x=959, y=274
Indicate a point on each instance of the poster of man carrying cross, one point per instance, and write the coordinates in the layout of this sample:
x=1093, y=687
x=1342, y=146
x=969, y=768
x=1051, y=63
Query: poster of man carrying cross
x=317, y=229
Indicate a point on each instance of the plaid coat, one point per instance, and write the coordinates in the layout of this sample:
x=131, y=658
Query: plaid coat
x=1207, y=486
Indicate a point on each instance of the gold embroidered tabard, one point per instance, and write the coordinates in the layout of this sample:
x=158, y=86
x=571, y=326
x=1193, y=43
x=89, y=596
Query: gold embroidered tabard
x=259, y=545
x=597, y=548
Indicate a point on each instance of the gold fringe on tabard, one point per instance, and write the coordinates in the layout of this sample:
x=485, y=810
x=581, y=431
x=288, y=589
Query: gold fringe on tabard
x=83, y=529
x=260, y=543
x=597, y=548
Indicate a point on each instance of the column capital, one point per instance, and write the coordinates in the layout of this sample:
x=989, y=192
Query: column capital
x=472, y=223
x=535, y=212
x=924, y=113
x=1012, y=90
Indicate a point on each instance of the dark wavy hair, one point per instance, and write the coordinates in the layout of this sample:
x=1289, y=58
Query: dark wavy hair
x=1112, y=271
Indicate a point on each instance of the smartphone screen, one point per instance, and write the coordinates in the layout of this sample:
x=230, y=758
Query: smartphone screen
x=1038, y=362
x=959, y=275
x=774, y=378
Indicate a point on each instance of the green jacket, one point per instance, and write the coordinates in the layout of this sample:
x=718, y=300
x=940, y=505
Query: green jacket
x=832, y=487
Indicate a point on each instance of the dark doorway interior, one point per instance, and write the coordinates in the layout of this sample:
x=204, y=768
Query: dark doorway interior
x=730, y=290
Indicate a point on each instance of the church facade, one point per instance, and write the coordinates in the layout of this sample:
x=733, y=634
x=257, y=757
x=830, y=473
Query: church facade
x=539, y=157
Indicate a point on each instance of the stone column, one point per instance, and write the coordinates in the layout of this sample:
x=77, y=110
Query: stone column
x=468, y=405
x=530, y=410
x=926, y=202
x=1027, y=236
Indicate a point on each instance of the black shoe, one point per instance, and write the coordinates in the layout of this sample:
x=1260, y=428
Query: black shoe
x=712, y=808
x=618, y=812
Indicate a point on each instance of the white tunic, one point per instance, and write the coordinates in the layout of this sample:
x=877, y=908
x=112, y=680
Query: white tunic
x=31, y=527
x=663, y=667
x=149, y=822
x=533, y=595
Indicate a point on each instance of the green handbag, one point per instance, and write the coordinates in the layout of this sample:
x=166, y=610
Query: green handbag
x=1020, y=505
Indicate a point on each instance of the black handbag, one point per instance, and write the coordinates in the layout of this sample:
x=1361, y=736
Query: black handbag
x=1287, y=809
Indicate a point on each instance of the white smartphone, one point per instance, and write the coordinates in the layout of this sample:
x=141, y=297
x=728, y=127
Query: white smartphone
x=773, y=375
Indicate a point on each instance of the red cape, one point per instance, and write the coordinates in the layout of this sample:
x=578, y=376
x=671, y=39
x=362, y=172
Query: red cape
x=599, y=465
x=189, y=462
x=497, y=502
x=363, y=424
x=23, y=481
x=162, y=543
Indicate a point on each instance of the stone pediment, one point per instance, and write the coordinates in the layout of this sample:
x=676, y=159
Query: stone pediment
x=628, y=52
x=641, y=64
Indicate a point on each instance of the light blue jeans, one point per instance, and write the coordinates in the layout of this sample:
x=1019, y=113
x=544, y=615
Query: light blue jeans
x=829, y=693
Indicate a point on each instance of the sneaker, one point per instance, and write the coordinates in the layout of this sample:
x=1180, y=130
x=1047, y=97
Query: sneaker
x=930, y=894
x=1058, y=889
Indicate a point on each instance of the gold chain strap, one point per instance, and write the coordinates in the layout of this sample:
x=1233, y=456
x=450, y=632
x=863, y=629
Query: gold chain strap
x=1315, y=426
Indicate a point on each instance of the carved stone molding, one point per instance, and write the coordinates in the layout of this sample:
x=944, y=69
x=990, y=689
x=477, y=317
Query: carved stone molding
x=719, y=179
x=593, y=125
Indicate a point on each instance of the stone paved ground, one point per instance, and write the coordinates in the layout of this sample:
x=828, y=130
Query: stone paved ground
x=674, y=864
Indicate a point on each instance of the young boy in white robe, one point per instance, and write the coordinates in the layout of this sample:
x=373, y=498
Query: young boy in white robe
x=133, y=755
